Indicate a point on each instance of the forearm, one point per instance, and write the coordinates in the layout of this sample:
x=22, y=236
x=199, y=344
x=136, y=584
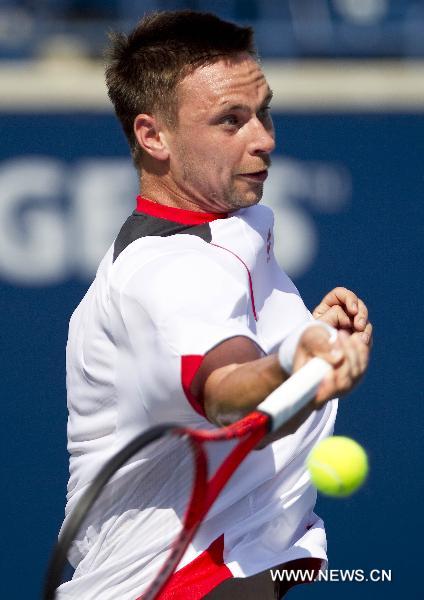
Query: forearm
x=234, y=378
x=233, y=391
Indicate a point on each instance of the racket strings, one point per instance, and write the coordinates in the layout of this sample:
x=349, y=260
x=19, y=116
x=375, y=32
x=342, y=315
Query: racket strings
x=140, y=513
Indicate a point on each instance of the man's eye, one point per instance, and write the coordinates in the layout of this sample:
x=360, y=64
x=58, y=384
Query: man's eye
x=230, y=120
x=264, y=112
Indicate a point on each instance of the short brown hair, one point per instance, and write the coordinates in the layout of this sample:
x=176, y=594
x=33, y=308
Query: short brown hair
x=145, y=67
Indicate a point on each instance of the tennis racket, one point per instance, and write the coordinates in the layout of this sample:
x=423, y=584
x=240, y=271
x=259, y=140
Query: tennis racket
x=171, y=487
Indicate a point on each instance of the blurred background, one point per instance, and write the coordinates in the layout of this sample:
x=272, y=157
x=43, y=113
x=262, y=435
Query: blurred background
x=347, y=187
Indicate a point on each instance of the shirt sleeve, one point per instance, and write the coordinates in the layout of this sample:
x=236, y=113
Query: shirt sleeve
x=176, y=308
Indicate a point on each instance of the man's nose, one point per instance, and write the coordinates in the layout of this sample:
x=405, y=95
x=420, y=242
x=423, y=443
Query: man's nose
x=263, y=139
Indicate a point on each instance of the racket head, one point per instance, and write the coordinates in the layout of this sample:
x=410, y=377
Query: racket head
x=246, y=434
x=169, y=475
x=185, y=457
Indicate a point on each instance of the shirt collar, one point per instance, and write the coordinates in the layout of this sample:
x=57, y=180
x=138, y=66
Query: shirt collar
x=178, y=215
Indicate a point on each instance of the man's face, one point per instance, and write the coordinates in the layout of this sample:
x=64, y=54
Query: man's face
x=219, y=151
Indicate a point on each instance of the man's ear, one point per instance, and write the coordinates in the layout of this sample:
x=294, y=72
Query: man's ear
x=151, y=136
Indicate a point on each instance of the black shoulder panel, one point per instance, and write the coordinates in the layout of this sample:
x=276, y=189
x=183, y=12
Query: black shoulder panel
x=139, y=225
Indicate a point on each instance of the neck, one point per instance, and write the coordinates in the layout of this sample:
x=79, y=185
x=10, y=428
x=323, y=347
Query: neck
x=163, y=190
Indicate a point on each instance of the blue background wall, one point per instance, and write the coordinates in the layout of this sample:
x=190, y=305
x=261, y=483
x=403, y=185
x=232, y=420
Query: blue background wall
x=371, y=243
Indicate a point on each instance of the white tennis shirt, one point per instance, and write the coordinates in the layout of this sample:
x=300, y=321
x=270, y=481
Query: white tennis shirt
x=175, y=284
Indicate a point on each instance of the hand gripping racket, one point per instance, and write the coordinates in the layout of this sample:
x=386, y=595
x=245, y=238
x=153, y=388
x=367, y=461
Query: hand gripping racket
x=173, y=488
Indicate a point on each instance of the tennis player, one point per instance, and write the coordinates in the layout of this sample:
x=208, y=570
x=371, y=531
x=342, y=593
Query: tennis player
x=191, y=320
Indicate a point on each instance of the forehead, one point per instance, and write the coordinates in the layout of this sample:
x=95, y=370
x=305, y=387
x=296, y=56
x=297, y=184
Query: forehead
x=232, y=80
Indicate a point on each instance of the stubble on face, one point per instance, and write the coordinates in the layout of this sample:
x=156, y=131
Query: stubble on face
x=208, y=161
x=195, y=179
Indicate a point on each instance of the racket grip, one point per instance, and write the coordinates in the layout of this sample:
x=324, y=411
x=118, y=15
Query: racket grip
x=294, y=393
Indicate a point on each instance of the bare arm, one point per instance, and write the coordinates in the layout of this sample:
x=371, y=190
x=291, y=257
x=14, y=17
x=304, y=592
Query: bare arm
x=232, y=391
x=254, y=381
x=235, y=376
x=246, y=378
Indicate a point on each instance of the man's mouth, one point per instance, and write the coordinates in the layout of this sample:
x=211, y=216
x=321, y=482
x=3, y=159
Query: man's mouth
x=256, y=176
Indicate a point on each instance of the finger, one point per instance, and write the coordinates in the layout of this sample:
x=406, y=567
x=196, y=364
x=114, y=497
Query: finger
x=351, y=350
x=366, y=336
x=336, y=317
x=351, y=302
x=330, y=299
x=348, y=372
x=343, y=377
x=369, y=330
x=344, y=297
x=350, y=367
x=320, y=309
x=326, y=390
x=362, y=353
x=340, y=296
x=336, y=383
x=334, y=297
x=361, y=318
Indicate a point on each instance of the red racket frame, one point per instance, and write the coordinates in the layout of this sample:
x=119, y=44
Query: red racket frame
x=250, y=430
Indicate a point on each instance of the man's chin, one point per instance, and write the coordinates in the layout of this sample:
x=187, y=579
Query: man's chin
x=245, y=200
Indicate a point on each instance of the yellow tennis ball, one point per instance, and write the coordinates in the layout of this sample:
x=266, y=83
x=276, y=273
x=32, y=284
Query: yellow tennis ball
x=338, y=466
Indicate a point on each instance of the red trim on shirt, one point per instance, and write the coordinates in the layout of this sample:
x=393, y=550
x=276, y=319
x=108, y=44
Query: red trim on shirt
x=252, y=296
x=199, y=577
x=208, y=570
x=178, y=215
x=189, y=366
